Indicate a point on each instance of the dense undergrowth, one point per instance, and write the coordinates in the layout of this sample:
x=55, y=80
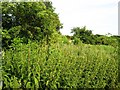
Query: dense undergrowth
x=35, y=54
x=67, y=66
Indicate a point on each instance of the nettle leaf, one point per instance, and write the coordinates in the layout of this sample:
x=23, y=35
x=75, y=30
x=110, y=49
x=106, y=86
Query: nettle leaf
x=36, y=82
x=28, y=85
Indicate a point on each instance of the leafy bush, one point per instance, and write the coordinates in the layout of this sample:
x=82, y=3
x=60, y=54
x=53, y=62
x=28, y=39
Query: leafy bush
x=77, y=41
x=65, y=40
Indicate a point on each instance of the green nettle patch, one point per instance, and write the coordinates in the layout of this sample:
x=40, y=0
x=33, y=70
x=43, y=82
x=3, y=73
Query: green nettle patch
x=68, y=66
x=35, y=54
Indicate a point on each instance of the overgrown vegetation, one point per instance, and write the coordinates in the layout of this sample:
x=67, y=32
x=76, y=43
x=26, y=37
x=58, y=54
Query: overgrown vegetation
x=68, y=66
x=87, y=37
x=36, y=55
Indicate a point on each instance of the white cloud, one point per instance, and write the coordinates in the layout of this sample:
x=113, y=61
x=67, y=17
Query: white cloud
x=98, y=15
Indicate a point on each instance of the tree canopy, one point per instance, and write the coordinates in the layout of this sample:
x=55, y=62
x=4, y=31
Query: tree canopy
x=87, y=37
x=83, y=34
x=28, y=20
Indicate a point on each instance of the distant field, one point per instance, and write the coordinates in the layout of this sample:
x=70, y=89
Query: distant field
x=68, y=66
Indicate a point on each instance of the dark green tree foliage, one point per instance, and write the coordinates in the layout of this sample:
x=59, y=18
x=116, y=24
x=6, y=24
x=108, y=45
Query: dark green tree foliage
x=83, y=34
x=28, y=21
x=105, y=40
x=87, y=37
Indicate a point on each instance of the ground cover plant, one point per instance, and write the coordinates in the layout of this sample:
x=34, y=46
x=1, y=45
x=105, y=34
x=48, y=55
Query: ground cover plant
x=68, y=66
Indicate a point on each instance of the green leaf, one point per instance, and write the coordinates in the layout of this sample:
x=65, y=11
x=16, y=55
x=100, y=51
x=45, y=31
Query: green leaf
x=36, y=82
x=28, y=85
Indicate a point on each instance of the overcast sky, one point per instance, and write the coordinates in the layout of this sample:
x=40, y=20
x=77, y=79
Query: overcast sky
x=100, y=16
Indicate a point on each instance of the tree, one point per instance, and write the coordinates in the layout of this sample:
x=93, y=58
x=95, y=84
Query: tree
x=83, y=34
x=29, y=21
